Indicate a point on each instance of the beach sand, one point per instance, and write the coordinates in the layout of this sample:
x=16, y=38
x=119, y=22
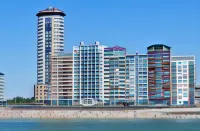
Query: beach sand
x=165, y=113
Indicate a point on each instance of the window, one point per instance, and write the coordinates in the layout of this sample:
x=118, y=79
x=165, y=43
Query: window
x=184, y=66
x=185, y=90
x=185, y=94
x=184, y=62
x=179, y=91
x=180, y=77
x=184, y=77
x=179, y=67
x=184, y=81
x=174, y=64
x=180, y=85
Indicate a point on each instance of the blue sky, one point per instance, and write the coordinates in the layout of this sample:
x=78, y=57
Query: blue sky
x=134, y=24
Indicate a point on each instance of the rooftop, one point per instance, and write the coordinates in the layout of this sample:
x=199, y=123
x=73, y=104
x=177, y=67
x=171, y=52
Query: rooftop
x=179, y=58
x=1, y=73
x=116, y=48
x=51, y=11
x=158, y=45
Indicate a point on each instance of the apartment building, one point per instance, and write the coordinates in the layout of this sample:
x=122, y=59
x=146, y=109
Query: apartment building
x=88, y=71
x=114, y=75
x=183, y=80
x=159, y=80
x=61, y=79
x=137, y=79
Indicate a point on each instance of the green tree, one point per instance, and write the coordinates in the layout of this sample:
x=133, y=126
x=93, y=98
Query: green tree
x=21, y=100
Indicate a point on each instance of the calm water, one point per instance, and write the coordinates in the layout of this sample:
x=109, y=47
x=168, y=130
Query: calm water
x=100, y=125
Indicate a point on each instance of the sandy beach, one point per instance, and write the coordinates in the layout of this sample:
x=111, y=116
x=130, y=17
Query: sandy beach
x=165, y=113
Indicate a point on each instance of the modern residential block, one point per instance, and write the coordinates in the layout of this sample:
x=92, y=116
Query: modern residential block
x=159, y=80
x=61, y=79
x=114, y=75
x=88, y=73
x=137, y=79
x=183, y=80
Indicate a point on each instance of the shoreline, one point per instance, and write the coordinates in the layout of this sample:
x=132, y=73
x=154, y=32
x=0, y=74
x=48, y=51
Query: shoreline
x=58, y=114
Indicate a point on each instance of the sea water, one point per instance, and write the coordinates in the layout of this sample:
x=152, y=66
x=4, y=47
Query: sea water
x=99, y=125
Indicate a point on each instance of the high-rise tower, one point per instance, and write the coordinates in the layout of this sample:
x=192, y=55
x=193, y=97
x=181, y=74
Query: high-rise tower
x=50, y=41
x=159, y=79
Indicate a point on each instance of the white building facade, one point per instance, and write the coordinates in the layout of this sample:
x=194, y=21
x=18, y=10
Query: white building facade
x=88, y=71
x=183, y=80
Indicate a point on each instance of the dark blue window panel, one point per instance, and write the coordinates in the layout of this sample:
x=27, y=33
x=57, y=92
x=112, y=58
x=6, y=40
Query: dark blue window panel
x=48, y=37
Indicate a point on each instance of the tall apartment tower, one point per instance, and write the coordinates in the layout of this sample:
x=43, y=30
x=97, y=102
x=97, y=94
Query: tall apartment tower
x=88, y=61
x=183, y=80
x=114, y=75
x=159, y=80
x=137, y=79
x=50, y=41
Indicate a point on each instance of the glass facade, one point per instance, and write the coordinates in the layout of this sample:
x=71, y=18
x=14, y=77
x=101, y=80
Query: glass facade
x=192, y=83
x=159, y=74
x=48, y=43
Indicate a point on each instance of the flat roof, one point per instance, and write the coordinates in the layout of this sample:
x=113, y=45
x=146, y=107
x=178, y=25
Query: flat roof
x=179, y=58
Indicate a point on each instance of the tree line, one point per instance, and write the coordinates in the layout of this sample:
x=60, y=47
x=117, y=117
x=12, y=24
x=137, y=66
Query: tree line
x=21, y=100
